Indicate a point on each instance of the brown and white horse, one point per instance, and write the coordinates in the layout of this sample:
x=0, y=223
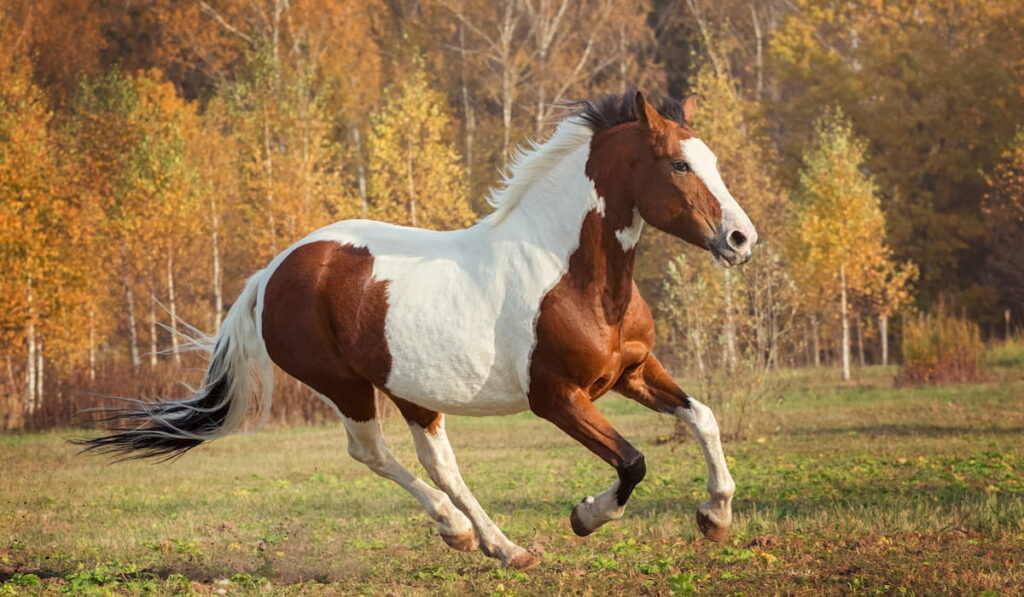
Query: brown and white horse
x=532, y=308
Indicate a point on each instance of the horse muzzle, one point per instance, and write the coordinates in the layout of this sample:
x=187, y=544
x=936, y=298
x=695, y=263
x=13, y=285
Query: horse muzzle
x=732, y=246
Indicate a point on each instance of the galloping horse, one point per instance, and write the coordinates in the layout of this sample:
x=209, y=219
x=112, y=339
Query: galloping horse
x=533, y=308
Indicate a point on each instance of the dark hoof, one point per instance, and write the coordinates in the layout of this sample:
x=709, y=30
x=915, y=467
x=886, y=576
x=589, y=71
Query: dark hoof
x=577, y=523
x=462, y=542
x=524, y=561
x=712, y=531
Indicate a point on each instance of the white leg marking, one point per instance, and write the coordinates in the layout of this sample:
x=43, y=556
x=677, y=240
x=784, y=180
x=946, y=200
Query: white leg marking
x=596, y=511
x=366, y=444
x=435, y=453
x=701, y=421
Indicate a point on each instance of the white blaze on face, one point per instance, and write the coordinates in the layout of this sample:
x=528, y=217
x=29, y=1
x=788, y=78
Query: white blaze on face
x=705, y=165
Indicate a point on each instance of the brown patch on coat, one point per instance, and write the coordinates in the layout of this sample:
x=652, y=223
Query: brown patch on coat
x=323, y=323
x=428, y=420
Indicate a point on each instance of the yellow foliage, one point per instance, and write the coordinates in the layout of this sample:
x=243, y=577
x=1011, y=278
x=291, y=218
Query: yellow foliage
x=416, y=175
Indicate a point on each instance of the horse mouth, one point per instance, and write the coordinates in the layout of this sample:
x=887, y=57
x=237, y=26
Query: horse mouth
x=728, y=259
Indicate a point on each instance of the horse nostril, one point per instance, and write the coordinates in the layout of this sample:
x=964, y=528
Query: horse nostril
x=737, y=239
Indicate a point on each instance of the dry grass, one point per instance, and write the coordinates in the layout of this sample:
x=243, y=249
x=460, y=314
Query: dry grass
x=847, y=489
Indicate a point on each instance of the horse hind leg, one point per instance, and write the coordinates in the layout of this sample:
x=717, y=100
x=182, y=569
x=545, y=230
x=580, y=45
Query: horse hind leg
x=436, y=455
x=366, y=445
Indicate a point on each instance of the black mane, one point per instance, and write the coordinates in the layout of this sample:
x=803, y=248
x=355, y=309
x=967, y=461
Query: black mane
x=605, y=112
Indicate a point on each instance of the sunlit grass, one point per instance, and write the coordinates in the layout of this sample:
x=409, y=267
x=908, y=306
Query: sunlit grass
x=845, y=488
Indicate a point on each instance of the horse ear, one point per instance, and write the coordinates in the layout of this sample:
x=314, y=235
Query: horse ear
x=690, y=108
x=648, y=117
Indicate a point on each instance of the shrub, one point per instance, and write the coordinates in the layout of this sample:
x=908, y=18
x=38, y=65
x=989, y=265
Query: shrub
x=940, y=348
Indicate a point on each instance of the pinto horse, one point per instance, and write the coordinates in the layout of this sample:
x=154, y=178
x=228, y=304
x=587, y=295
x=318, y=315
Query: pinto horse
x=534, y=308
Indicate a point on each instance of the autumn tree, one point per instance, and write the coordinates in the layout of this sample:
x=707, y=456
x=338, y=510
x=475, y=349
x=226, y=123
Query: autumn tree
x=932, y=85
x=1003, y=209
x=416, y=174
x=41, y=289
x=838, y=246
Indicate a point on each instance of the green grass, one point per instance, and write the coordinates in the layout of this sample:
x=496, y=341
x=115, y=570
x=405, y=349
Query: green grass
x=852, y=489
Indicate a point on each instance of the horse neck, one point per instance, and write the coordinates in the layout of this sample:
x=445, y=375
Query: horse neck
x=592, y=227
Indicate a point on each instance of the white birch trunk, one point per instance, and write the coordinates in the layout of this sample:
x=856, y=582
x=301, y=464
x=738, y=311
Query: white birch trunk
x=218, y=290
x=173, y=307
x=860, y=341
x=883, y=336
x=129, y=299
x=30, y=353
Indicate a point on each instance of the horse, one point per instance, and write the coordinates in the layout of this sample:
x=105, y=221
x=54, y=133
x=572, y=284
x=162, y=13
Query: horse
x=532, y=308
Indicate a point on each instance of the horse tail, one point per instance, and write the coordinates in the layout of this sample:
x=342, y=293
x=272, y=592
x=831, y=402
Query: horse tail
x=239, y=366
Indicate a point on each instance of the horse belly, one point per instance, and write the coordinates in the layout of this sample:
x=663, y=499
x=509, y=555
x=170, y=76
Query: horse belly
x=457, y=346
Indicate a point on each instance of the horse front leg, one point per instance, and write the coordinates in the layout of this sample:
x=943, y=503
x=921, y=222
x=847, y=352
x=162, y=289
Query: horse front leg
x=649, y=384
x=576, y=415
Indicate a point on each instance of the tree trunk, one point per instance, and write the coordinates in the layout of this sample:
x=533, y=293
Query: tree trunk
x=152, y=332
x=357, y=140
x=92, y=344
x=218, y=275
x=883, y=336
x=268, y=174
x=129, y=299
x=816, y=340
x=860, y=341
x=759, y=50
x=730, y=324
x=467, y=107
x=30, y=353
x=845, y=349
x=40, y=369
x=410, y=181
x=173, y=307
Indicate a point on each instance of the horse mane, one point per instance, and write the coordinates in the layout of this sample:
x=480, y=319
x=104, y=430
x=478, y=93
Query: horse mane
x=610, y=111
x=586, y=118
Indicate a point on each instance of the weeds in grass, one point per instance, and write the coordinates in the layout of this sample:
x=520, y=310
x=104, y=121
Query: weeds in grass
x=940, y=348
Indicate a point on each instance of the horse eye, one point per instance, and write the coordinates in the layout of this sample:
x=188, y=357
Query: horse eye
x=680, y=166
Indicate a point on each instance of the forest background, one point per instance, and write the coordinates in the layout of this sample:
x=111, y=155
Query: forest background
x=154, y=153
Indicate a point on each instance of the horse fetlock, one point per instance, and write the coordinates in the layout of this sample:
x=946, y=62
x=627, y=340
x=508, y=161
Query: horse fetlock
x=591, y=513
x=714, y=520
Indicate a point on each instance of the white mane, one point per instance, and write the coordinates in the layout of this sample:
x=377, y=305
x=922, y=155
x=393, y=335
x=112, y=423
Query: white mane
x=530, y=163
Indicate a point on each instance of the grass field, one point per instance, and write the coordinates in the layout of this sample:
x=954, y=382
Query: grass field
x=860, y=489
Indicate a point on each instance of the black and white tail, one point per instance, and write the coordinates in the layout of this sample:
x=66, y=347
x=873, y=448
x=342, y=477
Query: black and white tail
x=239, y=367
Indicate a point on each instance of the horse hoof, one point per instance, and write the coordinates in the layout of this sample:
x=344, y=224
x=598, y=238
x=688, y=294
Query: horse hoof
x=463, y=541
x=712, y=531
x=577, y=523
x=523, y=561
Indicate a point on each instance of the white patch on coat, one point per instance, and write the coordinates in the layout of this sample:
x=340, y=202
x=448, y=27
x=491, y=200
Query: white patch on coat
x=630, y=235
x=463, y=304
x=721, y=487
x=705, y=165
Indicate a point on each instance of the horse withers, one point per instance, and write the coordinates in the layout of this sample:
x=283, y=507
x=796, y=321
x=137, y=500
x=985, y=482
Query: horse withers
x=534, y=308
